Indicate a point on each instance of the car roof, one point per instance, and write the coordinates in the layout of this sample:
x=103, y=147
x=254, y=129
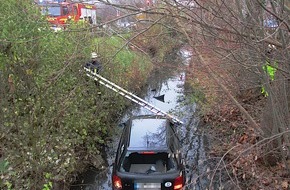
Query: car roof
x=148, y=134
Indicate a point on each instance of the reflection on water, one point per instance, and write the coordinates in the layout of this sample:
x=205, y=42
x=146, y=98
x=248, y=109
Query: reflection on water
x=168, y=81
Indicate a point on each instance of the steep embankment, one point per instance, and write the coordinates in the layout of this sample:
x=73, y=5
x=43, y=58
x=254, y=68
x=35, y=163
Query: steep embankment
x=237, y=152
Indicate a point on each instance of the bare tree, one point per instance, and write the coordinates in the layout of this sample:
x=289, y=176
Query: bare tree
x=242, y=48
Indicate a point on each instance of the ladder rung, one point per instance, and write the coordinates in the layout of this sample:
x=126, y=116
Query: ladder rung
x=129, y=95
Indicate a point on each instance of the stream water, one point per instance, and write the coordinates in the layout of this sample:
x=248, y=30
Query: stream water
x=170, y=82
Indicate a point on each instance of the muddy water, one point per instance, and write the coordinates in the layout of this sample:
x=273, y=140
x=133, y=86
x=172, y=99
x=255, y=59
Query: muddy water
x=167, y=82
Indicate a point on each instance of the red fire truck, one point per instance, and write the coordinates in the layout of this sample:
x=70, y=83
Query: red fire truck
x=59, y=14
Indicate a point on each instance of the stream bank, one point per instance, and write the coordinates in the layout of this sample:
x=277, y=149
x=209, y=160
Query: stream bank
x=168, y=82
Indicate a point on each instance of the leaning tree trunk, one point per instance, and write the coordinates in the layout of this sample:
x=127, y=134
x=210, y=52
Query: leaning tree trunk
x=276, y=120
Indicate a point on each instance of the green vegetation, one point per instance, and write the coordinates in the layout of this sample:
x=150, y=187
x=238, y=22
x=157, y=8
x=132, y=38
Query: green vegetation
x=52, y=121
x=126, y=67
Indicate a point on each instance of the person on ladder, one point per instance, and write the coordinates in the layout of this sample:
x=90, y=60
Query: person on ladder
x=94, y=64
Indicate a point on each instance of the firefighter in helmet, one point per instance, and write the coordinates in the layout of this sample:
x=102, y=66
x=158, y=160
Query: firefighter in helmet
x=94, y=64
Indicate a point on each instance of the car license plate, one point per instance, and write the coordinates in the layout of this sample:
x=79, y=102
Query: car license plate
x=151, y=186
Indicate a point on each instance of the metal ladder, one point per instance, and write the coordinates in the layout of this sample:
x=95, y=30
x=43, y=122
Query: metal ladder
x=92, y=74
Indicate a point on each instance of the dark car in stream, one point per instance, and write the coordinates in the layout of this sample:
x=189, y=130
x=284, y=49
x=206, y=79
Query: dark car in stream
x=148, y=156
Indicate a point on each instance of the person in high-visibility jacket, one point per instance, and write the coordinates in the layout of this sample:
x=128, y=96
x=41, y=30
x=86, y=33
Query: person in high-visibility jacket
x=94, y=64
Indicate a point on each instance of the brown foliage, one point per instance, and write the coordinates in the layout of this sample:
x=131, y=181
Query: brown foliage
x=232, y=140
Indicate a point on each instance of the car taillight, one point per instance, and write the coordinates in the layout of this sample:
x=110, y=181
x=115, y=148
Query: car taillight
x=178, y=183
x=117, y=183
